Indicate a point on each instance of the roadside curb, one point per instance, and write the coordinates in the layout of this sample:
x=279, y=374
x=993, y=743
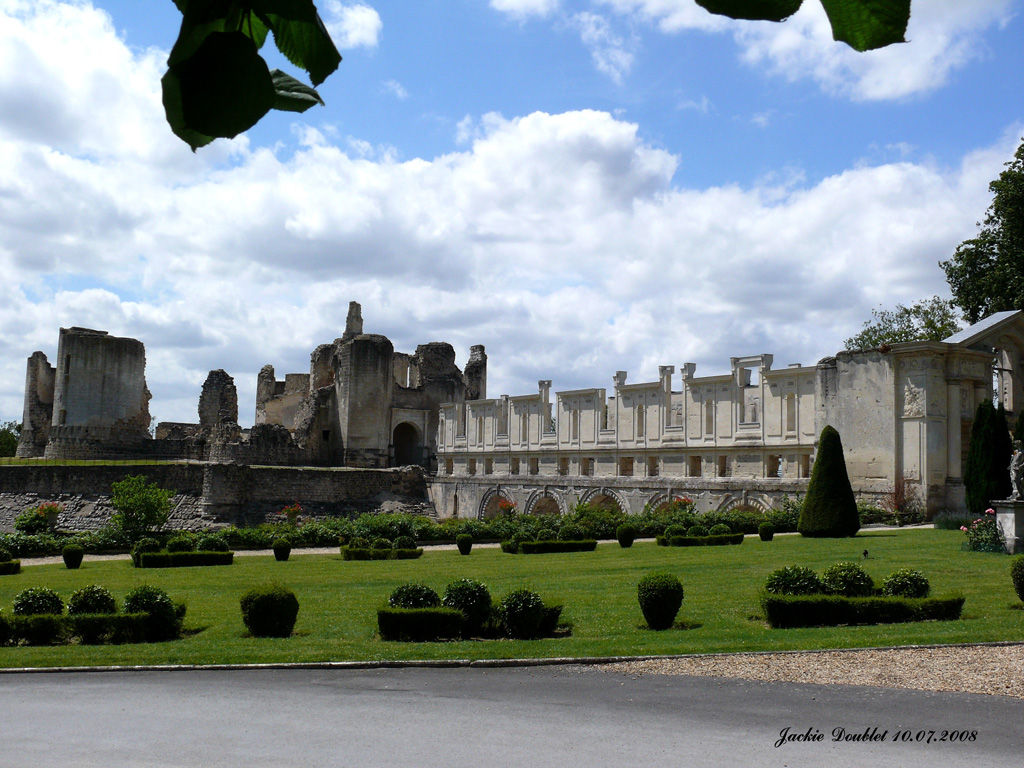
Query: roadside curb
x=591, y=661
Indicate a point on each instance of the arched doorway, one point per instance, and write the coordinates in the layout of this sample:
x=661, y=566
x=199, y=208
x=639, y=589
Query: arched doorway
x=605, y=502
x=546, y=506
x=408, y=446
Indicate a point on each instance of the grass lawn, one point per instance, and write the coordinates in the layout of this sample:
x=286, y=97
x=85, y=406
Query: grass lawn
x=720, y=613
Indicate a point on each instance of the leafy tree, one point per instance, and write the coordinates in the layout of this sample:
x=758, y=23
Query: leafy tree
x=861, y=24
x=830, y=508
x=931, y=319
x=9, y=433
x=987, y=474
x=986, y=273
x=217, y=84
x=141, y=506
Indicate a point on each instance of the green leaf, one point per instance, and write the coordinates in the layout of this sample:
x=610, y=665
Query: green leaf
x=868, y=24
x=760, y=10
x=300, y=35
x=175, y=114
x=291, y=95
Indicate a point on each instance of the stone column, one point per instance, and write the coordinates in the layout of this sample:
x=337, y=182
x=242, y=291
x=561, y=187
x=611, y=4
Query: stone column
x=953, y=447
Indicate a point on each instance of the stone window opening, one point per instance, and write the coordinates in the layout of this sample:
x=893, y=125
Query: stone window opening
x=534, y=465
x=524, y=428
x=563, y=466
x=640, y=413
x=724, y=470
x=489, y=466
x=709, y=417
x=479, y=430
x=694, y=466
x=604, y=416
x=513, y=466
x=471, y=466
x=460, y=427
x=774, y=466
x=574, y=431
x=805, y=465
x=449, y=467
x=791, y=412
x=626, y=466
x=653, y=466
x=586, y=466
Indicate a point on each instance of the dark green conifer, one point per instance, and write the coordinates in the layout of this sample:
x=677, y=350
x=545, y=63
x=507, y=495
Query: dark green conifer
x=980, y=479
x=1002, y=452
x=830, y=508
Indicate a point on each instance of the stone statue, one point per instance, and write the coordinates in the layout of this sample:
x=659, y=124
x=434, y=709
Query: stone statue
x=1017, y=471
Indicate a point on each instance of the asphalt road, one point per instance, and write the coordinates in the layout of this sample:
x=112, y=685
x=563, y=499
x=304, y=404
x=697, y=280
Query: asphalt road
x=540, y=717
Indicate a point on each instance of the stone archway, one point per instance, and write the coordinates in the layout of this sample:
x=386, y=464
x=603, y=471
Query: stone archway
x=605, y=499
x=490, y=505
x=408, y=445
x=546, y=506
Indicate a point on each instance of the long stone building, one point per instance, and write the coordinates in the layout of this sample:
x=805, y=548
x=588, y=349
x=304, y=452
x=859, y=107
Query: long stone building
x=744, y=438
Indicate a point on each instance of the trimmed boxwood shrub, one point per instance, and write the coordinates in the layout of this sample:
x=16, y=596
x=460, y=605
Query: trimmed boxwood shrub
x=184, y=559
x=414, y=596
x=269, y=610
x=419, y=624
x=405, y=542
x=358, y=542
x=10, y=567
x=830, y=508
x=163, y=618
x=675, y=530
x=521, y=614
x=696, y=530
x=793, y=580
x=788, y=611
x=766, y=531
x=145, y=544
x=464, y=542
x=704, y=541
x=906, y=582
x=1017, y=575
x=72, y=555
x=211, y=542
x=38, y=629
x=473, y=599
x=181, y=543
x=92, y=599
x=97, y=628
x=381, y=543
x=38, y=600
x=660, y=595
x=719, y=530
x=548, y=547
x=846, y=580
x=510, y=547
x=405, y=554
x=282, y=549
x=626, y=535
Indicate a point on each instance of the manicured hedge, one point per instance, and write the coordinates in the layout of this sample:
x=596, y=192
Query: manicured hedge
x=419, y=624
x=184, y=559
x=358, y=553
x=86, y=628
x=548, y=547
x=700, y=541
x=787, y=611
x=10, y=567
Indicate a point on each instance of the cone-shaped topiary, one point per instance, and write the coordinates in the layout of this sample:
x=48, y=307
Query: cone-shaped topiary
x=830, y=508
x=1002, y=453
x=986, y=476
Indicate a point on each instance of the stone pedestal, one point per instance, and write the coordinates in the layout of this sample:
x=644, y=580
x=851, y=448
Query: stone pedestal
x=1010, y=519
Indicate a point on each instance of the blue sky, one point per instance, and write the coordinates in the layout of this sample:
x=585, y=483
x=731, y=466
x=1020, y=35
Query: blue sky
x=583, y=186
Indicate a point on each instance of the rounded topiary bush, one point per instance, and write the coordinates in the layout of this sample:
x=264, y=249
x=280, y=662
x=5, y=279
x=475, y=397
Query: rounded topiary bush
x=146, y=544
x=473, y=599
x=766, y=531
x=92, y=599
x=269, y=611
x=211, y=542
x=358, y=542
x=405, y=542
x=464, y=542
x=793, y=580
x=381, y=543
x=906, y=582
x=546, y=534
x=847, y=580
x=38, y=600
x=1017, y=575
x=181, y=544
x=675, y=530
x=72, y=555
x=521, y=614
x=414, y=596
x=697, y=530
x=660, y=595
x=625, y=534
x=571, y=532
x=163, y=623
x=721, y=529
x=282, y=549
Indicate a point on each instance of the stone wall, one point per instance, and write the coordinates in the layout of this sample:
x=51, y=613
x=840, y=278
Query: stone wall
x=211, y=495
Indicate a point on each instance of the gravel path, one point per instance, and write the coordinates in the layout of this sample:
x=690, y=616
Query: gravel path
x=989, y=669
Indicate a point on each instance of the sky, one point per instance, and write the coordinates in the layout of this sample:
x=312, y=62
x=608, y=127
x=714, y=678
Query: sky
x=582, y=186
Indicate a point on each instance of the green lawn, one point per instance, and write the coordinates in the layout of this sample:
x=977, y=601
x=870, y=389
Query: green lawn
x=337, y=618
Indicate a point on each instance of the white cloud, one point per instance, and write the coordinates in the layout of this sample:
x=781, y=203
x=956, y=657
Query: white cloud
x=396, y=89
x=607, y=49
x=352, y=25
x=522, y=9
x=944, y=35
x=557, y=240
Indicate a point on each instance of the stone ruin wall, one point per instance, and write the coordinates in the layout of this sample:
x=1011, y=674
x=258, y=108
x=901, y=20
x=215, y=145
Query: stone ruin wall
x=211, y=496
